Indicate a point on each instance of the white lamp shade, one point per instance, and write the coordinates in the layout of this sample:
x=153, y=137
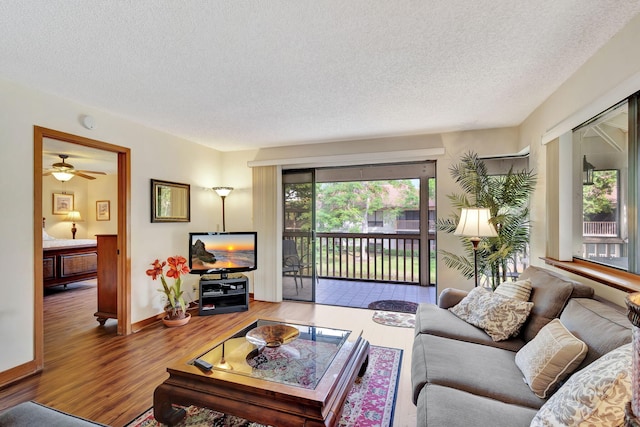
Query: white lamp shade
x=73, y=216
x=223, y=191
x=474, y=222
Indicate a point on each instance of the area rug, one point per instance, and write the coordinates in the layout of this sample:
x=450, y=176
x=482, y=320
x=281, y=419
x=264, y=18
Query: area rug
x=391, y=318
x=370, y=402
x=394, y=305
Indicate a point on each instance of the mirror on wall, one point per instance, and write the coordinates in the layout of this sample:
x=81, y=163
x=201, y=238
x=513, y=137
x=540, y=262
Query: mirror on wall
x=170, y=201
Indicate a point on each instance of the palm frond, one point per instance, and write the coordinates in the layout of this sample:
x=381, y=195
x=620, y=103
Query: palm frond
x=507, y=197
x=458, y=262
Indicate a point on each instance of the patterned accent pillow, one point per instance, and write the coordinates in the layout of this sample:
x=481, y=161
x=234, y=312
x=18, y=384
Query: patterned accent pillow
x=520, y=290
x=550, y=357
x=499, y=316
x=593, y=396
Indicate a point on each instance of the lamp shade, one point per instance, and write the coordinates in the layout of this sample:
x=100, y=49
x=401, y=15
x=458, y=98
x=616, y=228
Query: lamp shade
x=474, y=222
x=73, y=216
x=223, y=191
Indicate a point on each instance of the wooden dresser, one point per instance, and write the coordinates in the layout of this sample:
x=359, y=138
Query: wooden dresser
x=107, y=277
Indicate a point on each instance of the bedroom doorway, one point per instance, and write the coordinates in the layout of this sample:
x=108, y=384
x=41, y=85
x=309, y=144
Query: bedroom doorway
x=120, y=209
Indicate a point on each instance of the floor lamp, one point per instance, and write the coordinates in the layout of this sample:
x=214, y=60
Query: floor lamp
x=474, y=223
x=223, y=192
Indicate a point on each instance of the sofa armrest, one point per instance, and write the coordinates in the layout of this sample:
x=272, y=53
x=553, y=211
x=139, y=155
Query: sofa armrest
x=450, y=297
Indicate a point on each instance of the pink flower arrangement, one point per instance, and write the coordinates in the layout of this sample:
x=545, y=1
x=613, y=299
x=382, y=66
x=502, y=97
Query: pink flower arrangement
x=176, y=307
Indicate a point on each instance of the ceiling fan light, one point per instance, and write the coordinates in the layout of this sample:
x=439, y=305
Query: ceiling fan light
x=62, y=176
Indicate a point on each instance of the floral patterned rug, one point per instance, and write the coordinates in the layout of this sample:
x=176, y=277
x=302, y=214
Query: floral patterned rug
x=391, y=318
x=370, y=402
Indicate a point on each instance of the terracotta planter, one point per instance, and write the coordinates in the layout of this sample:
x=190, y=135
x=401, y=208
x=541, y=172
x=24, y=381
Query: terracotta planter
x=176, y=322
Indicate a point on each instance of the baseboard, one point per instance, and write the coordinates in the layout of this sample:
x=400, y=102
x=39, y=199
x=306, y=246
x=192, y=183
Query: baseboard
x=19, y=372
x=138, y=326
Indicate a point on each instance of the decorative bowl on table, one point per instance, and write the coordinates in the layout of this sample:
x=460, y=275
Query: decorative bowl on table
x=272, y=335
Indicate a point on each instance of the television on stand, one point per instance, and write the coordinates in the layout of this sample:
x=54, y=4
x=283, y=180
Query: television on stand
x=223, y=253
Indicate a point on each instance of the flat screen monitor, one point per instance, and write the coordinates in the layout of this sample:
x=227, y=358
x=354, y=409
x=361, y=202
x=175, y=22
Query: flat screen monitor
x=222, y=253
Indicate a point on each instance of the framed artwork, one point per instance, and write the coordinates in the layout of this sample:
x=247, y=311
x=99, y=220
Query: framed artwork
x=103, y=210
x=170, y=201
x=62, y=203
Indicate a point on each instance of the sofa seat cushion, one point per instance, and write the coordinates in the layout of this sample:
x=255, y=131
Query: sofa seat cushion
x=35, y=414
x=501, y=317
x=431, y=319
x=594, y=396
x=550, y=357
x=603, y=327
x=444, y=406
x=475, y=368
x=549, y=294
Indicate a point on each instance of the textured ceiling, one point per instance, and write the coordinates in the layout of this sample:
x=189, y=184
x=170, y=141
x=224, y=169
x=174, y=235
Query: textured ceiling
x=238, y=74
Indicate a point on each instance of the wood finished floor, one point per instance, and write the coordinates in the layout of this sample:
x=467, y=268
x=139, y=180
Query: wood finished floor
x=93, y=373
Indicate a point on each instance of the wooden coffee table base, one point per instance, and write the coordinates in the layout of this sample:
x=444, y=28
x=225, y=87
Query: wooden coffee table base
x=241, y=397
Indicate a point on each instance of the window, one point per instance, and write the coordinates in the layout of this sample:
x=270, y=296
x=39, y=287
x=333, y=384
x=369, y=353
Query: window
x=375, y=219
x=602, y=150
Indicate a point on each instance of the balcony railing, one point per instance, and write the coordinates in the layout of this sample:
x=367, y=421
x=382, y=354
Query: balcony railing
x=599, y=228
x=376, y=257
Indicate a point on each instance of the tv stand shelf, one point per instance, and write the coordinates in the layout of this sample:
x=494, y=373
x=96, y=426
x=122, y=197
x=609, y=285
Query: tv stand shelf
x=223, y=294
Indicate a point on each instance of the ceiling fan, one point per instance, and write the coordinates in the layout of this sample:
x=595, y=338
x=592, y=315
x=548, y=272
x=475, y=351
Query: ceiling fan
x=63, y=171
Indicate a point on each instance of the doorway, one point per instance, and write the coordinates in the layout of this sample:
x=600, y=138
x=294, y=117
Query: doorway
x=123, y=226
x=372, y=223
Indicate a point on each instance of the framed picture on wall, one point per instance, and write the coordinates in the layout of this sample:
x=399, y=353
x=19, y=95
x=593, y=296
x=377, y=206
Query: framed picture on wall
x=62, y=203
x=103, y=210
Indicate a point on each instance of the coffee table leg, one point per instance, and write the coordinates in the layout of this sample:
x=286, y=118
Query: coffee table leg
x=163, y=411
x=363, y=368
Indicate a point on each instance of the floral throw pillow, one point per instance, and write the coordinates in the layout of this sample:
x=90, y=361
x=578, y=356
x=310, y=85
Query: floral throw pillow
x=499, y=316
x=593, y=396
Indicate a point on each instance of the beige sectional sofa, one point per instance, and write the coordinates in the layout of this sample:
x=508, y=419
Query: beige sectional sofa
x=462, y=377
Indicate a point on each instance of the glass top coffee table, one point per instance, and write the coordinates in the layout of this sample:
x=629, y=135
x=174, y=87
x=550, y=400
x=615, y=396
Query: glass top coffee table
x=269, y=371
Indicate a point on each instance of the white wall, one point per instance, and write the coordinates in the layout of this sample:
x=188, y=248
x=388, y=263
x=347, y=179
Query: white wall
x=153, y=155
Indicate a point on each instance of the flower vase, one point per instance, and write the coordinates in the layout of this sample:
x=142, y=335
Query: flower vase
x=171, y=323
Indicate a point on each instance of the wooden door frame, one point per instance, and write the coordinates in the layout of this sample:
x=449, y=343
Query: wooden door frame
x=124, y=226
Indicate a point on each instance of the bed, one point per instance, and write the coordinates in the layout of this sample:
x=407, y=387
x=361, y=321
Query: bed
x=66, y=261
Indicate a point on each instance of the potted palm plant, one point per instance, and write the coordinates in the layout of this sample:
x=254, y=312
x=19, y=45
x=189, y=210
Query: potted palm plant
x=176, y=307
x=507, y=197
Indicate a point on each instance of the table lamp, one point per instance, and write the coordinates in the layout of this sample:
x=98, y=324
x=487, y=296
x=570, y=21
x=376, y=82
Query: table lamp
x=73, y=217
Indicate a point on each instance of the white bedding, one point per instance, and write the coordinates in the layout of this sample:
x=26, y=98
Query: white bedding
x=63, y=243
x=49, y=242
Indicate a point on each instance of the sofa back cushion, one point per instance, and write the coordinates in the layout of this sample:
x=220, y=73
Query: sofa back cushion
x=603, y=327
x=549, y=294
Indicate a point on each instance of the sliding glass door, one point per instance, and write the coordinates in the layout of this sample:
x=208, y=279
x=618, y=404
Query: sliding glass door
x=298, y=239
